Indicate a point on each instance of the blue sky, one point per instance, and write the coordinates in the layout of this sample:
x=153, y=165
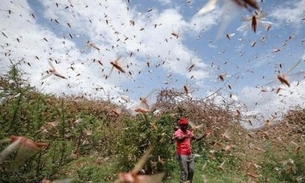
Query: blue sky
x=59, y=31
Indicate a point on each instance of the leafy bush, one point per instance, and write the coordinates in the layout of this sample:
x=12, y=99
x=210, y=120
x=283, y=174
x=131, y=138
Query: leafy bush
x=141, y=132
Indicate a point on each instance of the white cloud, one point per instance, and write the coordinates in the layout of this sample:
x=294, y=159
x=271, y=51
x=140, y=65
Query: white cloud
x=272, y=105
x=204, y=22
x=290, y=12
x=109, y=26
x=164, y=2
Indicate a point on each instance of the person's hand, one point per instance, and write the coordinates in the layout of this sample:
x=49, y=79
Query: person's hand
x=208, y=132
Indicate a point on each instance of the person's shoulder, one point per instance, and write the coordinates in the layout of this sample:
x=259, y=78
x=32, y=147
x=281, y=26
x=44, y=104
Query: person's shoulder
x=178, y=131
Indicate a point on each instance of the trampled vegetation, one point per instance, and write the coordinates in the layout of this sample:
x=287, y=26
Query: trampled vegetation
x=89, y=141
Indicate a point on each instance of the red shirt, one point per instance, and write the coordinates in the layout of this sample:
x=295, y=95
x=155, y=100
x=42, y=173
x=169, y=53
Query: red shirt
x=184, y=147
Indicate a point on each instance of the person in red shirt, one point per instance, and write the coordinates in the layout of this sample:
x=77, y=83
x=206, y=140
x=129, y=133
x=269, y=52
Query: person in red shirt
x=183, y=138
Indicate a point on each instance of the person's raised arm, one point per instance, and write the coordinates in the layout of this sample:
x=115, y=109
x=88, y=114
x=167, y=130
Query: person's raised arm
x=202, y=136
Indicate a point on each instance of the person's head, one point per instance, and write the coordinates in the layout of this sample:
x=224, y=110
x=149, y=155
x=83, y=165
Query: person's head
x=183, y=124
